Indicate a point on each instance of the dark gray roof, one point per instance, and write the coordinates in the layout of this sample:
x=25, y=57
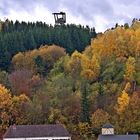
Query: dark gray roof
x=108, y=125
x=24, y=131
x=118, y=137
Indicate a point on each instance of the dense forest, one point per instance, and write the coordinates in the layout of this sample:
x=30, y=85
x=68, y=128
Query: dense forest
x=80, y=89
x=18, y=37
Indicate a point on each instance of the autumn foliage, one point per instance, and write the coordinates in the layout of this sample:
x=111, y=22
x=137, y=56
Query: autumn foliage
x=82, y=91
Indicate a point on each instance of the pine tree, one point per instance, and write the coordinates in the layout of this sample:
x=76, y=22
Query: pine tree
x=84, y=102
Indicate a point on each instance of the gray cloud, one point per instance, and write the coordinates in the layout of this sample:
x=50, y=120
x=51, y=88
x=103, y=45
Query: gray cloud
x=112, y=11
x=4, y=7
x=17, y=5
x=89, y=8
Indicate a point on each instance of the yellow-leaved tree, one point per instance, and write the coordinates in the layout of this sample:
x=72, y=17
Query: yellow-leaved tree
x=130, y=69
x=74, y=64
x=42, y=58
x=122, y=110
x=90, y=67
x=5, y=107
x=84, y=129
x=127, y=87
x=123, y=102
x=12, y=109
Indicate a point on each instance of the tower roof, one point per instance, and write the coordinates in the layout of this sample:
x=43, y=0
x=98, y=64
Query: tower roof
x=108, y=125
x=118, y=137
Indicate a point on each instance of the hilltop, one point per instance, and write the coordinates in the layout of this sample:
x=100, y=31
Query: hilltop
x=81, y=87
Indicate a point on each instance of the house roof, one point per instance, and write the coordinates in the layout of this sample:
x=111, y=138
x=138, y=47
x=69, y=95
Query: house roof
x=108, y=125
x=27, y=131
x=118, y=137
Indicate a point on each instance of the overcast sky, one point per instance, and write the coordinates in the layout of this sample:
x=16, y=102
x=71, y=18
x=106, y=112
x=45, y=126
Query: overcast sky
x=101, y=14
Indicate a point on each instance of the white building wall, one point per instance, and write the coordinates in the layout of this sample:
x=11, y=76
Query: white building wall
x=107, y=131
x=13, y=138
x=49, y=138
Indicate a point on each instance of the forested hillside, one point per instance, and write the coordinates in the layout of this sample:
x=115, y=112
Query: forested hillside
x=83, y=90
x=16, y=37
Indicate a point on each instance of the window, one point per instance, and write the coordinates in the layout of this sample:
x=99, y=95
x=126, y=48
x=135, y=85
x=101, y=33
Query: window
x=39, y=139
x=60, y=139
